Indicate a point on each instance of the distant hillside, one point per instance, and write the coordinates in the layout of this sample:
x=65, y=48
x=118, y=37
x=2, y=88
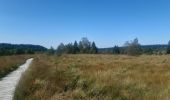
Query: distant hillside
x=10, y=49
x=155, y=47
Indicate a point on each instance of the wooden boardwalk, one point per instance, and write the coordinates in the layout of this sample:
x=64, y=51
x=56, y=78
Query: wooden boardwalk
x=8, y=83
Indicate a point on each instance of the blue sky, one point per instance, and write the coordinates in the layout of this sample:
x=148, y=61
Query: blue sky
x=107, y=22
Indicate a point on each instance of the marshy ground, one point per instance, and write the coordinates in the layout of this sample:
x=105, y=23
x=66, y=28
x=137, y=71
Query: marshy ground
x=96, y=77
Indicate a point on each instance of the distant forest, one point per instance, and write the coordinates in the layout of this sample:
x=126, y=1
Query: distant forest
x=146, y=49
x=84, y=46
x=15, y=49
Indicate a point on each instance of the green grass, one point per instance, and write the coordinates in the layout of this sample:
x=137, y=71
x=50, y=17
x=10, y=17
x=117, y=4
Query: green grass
x=96, y=77
x=11, y=63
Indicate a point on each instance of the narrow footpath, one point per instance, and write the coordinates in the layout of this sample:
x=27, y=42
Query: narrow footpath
x=9, y=83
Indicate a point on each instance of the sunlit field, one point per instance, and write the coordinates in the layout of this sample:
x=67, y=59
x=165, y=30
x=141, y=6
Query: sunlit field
x=96, y=77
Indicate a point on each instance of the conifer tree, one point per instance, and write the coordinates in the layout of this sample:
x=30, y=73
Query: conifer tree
x=80, y=46
x=69, y=49
x=94, y=49
x=168, y=48
x=116, y=50
x=76, y=48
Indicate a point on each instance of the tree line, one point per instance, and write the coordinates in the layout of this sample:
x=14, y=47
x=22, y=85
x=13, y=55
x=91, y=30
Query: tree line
x=84, y=46
x=133, y=47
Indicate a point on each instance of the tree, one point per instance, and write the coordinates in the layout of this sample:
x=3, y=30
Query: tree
x=116, y=50
x=80, y=46
x=76, y=48
x=133, y=48
x=94, y=49
x=69, y=48
x=60, y=49
x=51, y=51
x=86, y=45
x=168, y=48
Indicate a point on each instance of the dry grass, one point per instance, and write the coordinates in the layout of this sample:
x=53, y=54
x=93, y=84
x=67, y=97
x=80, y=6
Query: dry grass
x=96, y=77
x=10, y=63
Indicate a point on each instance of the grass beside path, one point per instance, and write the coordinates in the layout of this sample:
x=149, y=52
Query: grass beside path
x=11, y=63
